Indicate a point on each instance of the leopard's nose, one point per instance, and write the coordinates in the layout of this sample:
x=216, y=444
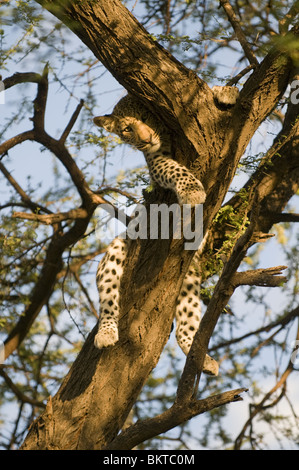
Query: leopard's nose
x=146, y=137
x=144, y=134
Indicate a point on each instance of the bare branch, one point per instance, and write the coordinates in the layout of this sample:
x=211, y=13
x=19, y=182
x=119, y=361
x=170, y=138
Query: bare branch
x=21, y=78
x=234, y=80
x=285, y=22
x=16, y=140
x=260, y=277
x=40, y=101
x=51, y=219
x=261, y=405
x=24, y=196
x=71, y=123
x=238, y=30
x=19, y=394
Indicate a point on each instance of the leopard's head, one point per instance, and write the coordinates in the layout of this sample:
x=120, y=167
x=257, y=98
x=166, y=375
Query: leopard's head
x=133, y=124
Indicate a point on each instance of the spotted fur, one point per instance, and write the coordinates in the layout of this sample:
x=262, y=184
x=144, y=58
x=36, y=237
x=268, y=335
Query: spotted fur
x=138, y=127
x=108, y=279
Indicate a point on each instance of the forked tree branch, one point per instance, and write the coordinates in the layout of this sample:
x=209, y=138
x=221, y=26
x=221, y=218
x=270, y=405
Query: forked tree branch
x=51, y=219
x=60, y=241
x=18, y=393
x=81, y=216
x=113, y=34
x=176, y=415
x=186, y=393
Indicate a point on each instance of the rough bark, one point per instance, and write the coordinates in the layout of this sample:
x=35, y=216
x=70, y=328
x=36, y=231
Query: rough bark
x=91, y=406
x=102, y=386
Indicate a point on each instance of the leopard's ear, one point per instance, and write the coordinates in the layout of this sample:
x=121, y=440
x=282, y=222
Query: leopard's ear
x=108, y=122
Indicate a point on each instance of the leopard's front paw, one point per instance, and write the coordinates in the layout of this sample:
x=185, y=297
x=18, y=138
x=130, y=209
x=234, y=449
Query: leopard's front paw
x=106, y=336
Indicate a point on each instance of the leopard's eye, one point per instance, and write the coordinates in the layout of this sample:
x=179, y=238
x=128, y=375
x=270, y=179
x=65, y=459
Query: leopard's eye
x=127, y=129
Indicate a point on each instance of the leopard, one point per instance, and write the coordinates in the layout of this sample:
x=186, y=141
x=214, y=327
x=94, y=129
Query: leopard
x=138, y=127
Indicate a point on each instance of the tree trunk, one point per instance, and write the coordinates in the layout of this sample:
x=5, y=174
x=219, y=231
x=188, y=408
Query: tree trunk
x=93, y=402
x=102, y=386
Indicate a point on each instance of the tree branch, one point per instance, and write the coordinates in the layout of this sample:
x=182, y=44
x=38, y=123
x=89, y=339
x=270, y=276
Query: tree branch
x=260, y=406
x=19, y=394
x=285, y=22
x=51, y=219
x=71, y=123
x=24, y=196
x=16, y=140
x=39, y=134
x=60, y=241
x=73, y=214
x=260, y=277
x=282, y=321
x=39, y=104
x=25, y=77
x=234, y=80
x=282, y=217
x=238, y=30
x=176, y=415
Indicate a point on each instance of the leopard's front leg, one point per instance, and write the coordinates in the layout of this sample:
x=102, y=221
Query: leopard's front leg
x=171, y=175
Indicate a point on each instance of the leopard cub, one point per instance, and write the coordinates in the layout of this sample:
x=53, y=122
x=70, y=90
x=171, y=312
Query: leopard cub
x=136, y=126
